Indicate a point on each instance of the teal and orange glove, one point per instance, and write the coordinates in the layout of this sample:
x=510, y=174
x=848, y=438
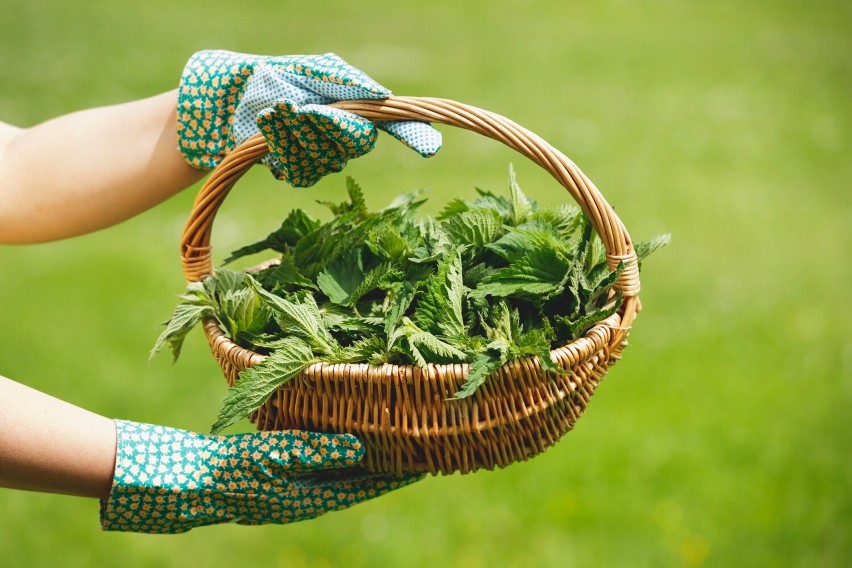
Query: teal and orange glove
x=169, y=481
x=225, y=97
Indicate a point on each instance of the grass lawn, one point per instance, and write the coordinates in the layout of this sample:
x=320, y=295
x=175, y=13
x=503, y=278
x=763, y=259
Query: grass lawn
x=721, y=439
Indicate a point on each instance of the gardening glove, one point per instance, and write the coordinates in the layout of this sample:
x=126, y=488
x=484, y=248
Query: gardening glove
x=225, y=97
x=169, y=481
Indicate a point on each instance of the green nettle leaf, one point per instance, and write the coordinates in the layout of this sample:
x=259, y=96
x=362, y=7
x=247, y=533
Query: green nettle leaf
x=644, y=249
x=223, y=281
x=284, y=276
x=243, y=312
x=296, y=226
x=256, y=384
x=196, y=304
x=372, y=349
x=520, y=241
x=521, y=205
x=577, y=327
x=497, y=203
x=434, y=243
x=565, y=220
x=424, y=347
x=475, y=228
x=491, y=280
x=405, y=204
x=301, y=317
x=440, y=309
x=483, y=365
x=340, y=280
x=388, y=242
x=452, y=322
x=537, y=273
x=399, y=301
x=184, y=318
x=454, y=207
x=476, y=273
x=382, y=277
x=535, y=343
x=356, y=204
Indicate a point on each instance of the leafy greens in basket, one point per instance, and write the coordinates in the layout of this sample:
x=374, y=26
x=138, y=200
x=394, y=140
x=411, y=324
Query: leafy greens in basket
x=485, y=282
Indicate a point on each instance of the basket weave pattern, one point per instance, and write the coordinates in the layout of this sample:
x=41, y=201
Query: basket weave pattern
x=404, y=415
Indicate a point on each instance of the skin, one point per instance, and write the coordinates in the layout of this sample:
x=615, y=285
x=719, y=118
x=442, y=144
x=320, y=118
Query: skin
x=106, y=165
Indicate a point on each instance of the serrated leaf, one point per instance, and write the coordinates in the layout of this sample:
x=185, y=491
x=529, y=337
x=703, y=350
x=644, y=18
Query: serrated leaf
x=387, y=243
x=475, y=228
x=475, y=274
x=539, y=272
x=400, y=299
x=356, y=205
x=223, y=281
x=483, y=366
x=498, y=203
x=340, y=280
x=434, y=243
x=184, y=318
x=405, y=203
x=301, y=317
x=257, y=383
x=372, y=349
x=520, y=241
x=284, y=275
x=295, y=227
x=440, y=308
x=576, y=327
x=535, y=343
x=454, y=207
x=242, y=311
x=417, y=341
x=381, y=277
x=196, y=303
x=564, y=220
x=521, y=204
x=643, y=249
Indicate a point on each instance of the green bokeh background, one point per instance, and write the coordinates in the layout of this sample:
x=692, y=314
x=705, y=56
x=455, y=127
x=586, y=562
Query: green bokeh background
x=721, y=439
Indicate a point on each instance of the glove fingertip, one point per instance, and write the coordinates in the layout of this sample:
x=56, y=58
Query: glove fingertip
x=419, y=136
x=301, y=450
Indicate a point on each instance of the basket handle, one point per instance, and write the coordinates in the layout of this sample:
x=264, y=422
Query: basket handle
x=195, y=241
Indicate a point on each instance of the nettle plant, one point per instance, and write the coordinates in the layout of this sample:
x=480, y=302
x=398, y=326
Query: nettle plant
x=487, y=281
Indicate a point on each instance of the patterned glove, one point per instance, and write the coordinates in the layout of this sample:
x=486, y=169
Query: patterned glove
x=225, y=97
x=170, y=481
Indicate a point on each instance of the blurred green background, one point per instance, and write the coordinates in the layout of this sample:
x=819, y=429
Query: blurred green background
x=723, y=438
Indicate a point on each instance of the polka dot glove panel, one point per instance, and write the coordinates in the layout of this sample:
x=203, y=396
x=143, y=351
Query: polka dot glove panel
x=226, y=97
x=170, y=481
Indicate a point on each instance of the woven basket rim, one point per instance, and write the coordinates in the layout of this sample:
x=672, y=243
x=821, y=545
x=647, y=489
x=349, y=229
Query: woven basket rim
x=594, y=339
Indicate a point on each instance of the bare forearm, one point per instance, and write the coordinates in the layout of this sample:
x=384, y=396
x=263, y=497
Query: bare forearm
x=50, y=445
x=90, y=169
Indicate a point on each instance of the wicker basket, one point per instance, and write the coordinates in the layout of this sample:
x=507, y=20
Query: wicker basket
x=404, y=415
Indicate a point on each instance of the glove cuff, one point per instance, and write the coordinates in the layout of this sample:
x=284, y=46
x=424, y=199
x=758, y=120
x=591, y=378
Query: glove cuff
x=149, y=481
x=211, y=86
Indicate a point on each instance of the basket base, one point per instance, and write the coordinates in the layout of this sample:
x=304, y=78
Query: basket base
x=498, y=429
x=407, y=419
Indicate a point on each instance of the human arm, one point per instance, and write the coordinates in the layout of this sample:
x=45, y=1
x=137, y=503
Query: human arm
x=157, y=479
x=88, y=170
x=53, y=446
